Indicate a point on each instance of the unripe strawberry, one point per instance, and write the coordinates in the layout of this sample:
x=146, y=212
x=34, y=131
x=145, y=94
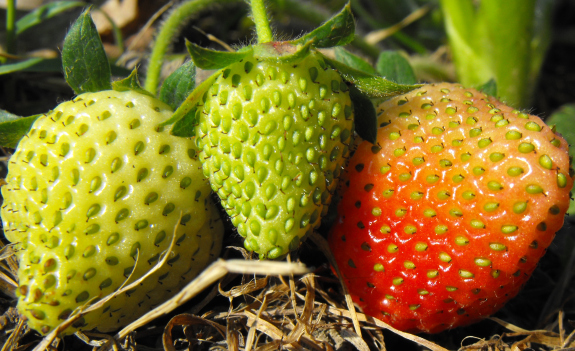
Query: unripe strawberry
x=274, y=138
x=94, y=194
x=446, y=216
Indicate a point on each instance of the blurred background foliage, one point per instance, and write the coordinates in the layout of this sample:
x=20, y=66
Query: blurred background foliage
x=524, y=45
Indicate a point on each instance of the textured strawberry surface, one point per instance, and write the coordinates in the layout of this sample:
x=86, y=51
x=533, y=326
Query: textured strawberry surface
x=446, y=217
x=274, y=138
x=93, y=196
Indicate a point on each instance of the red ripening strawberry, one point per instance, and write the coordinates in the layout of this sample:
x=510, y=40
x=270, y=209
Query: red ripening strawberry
x=445, y=218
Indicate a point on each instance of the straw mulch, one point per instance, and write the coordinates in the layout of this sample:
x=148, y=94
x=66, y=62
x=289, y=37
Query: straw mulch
x=236, y=304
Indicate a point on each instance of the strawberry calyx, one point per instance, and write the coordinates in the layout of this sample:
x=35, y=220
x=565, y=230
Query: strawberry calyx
x=337, y=31
x=277, y=48
x=282, y=51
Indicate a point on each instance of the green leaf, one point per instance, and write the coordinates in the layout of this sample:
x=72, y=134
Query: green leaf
x=130, y=83
x=45, y=12
x=37, y=64
x=489, y=88
x=370, y=85
x=86, y=66
x=212, y=59
x=365, y=116
x=337, y=31
x=353, y=61
x=179, y=85
x=393, y=66
x=191, y=101
x=185, y=127
x=13, y=128
x=20, y=66
x=564, y=121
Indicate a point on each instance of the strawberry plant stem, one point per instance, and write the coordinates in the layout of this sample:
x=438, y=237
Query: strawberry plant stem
x=11, y=27
x=168, y=32
x=261, y=20
x=487, y=42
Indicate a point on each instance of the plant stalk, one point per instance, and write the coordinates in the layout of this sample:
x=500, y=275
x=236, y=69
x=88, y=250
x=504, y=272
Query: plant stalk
x=487, y=42
x=11, y=27
x=169, y=30
x=262, y=22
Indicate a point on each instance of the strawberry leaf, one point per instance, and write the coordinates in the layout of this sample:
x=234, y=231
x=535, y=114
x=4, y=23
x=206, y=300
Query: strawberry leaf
x=84, y=60
x=179, y=85
x=370, y=85
x=393, y=66
x=353, y=61
x=130, y=83
x=20, y=66
x=337, y=31
x=45, y=12
x=185, y=127
x=38, y=64
x=13, y=128
x=365, y=116
x=183, y=112
x=489, y=88
x=212, y=59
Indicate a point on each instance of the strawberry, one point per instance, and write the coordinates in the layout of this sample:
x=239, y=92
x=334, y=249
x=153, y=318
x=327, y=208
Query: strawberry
x=274, y=138
x=445, y=218
x=95, y=192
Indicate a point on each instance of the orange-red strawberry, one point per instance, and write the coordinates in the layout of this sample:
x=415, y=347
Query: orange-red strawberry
x=446, y=217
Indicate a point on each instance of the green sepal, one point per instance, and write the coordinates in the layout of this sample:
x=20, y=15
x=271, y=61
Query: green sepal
x=185, y=127
x=489, y=87
x=45, y=12
x=13, y=128
x=86, y=67
x=370, y=85
x=393, y=66
x=130, y=83
x=179, y=85
x=338, y=30
x=353, y=61
x=212, y=59
x=284, y=52
x=365, y=115
x=184, y=111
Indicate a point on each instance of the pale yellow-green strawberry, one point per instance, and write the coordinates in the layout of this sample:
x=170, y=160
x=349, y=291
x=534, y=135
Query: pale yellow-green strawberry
x=94, y=195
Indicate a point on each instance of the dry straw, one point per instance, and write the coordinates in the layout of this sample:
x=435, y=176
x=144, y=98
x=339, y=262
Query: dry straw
x=275, y=306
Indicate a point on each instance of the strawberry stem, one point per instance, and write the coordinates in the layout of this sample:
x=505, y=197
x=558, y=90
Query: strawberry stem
x=169, y=31
x=261, y=20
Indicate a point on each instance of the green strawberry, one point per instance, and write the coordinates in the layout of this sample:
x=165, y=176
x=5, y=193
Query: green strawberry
x=445, y=218
x=274, y=138
x=94, y=193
